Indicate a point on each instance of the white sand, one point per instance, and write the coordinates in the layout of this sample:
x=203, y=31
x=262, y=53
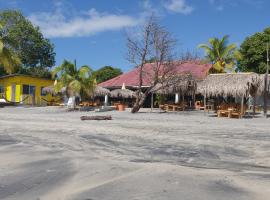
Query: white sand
x=47, y=153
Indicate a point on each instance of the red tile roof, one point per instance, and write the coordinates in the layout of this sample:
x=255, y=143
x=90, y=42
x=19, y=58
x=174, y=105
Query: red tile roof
x=131, y=78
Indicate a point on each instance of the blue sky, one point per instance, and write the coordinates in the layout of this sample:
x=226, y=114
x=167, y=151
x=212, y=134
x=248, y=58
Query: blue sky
x=93, y=31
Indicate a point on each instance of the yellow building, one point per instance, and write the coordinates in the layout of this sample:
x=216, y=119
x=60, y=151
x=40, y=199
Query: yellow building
x=25, y=89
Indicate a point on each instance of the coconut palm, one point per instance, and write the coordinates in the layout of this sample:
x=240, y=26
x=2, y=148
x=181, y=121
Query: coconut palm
x=222, y=55
x=77, y=81
x=8, y=59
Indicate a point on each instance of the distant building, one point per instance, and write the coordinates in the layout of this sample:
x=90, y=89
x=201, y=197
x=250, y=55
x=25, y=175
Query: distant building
x=131, y=79
x=25, y=89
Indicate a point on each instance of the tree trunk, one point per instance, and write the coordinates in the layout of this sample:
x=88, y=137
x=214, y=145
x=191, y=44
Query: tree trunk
x=139, y=103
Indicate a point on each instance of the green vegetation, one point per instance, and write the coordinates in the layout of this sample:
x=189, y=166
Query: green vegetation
x=8, y=59
x=222, y=55
x=253, y=51
x=106, y=73
x=35, y=52
x=77, y=81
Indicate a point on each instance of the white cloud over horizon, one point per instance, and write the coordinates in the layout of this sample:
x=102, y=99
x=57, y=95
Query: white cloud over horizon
x=179, y=6
x=57, y=25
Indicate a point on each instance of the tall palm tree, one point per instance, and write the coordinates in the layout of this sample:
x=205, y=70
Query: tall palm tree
x=77, y=81
x=8, y=58
x=221, y=54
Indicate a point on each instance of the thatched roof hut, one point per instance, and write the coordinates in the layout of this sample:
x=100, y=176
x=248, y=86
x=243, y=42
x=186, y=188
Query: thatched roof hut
x=230, y=84
x=184, y=84
x=101, y=92
x=123, y=93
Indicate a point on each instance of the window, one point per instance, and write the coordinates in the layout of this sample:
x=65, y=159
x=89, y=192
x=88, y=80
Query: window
x=25, y=89
x=29, y=89
x=1, y=89
x=42, y=93
x=32, y=90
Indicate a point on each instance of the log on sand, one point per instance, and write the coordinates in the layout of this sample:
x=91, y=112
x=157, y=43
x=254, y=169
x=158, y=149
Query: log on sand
x=108, y=117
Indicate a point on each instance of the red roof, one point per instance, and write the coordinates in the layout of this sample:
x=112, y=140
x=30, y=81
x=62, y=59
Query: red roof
x=131, y=78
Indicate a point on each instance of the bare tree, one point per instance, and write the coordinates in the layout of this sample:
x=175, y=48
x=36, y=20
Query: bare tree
x=190, y=56
x=156, y=44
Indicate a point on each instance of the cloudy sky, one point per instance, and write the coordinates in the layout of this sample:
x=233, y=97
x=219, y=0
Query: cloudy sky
x=93, y=31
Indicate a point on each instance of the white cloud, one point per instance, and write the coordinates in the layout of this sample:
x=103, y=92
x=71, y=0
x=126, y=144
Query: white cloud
x=59, y=25
x=220, y=5
x=179, y=6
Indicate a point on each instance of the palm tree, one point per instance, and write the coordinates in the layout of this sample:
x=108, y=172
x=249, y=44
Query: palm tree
x=77, y=81
x=222, y=55
x=8, y=59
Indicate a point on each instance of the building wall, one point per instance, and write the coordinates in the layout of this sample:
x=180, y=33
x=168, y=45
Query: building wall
x=19, y=81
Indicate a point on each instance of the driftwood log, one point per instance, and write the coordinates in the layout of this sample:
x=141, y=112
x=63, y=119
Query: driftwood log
x=108, y=117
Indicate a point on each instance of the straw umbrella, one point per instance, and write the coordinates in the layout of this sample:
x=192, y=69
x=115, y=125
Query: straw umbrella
x=123, y=93
x=183, y=84
x=102, y=92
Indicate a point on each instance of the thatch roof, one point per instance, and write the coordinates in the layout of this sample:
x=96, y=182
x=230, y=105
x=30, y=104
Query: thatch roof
x=261, y=89
x=183, y=84
x=100, y=91
x=48, y=90
x=230, y=84
x=123, y=93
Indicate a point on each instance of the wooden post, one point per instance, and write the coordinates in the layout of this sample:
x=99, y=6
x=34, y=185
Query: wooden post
x=183, y=101
x=204, y=101
x=152, y=101
x=193, y=96
x=242, y=106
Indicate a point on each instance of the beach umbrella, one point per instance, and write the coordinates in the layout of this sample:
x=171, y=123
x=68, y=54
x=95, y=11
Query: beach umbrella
x=101, y=92
x=123, y=93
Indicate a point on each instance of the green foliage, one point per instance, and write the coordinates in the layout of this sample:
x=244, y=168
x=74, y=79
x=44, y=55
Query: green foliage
x=35, y=52
x=105, y=73
x=253, y=51
x=222, y=55
x=77, y=81
x=8, y=58
x=160, y=99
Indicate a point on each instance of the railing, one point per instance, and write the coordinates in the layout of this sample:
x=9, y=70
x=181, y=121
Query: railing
x=28, y=99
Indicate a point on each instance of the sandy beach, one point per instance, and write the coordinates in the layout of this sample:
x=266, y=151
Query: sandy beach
x=48, y=153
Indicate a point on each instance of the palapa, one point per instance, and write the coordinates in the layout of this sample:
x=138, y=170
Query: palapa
x=100, y=92
x=123, y=93
x=230, y=84
x=184, y=84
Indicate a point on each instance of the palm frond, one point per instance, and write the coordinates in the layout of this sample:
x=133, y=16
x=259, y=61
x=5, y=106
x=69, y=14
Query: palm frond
x=75, y=86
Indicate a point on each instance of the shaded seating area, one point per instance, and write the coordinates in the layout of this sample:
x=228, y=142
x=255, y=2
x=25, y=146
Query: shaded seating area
x=173, y=107
x=236, y=86
x=232, y=110
x=181, y=86
x=119, y=96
